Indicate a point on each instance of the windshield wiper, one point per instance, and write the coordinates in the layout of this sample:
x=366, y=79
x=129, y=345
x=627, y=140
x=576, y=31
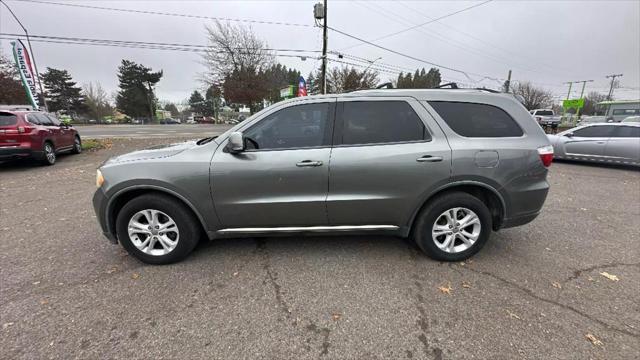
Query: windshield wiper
x=205, y=140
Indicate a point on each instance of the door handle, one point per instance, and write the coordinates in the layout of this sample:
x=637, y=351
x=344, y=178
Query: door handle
x=309, y=163
x=600, y=142
x=429, y=158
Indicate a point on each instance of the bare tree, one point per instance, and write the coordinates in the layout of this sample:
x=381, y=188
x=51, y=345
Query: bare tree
x=233, y=48
x=97, y=100
x=534, y=97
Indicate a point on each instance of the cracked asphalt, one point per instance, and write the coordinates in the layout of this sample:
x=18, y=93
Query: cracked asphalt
x=533, y=292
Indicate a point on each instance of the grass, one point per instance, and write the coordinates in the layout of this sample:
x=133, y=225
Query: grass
x=96, y=144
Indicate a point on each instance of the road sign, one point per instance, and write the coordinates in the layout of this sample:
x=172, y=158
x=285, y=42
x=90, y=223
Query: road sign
x=286, y=92
x=573, y=104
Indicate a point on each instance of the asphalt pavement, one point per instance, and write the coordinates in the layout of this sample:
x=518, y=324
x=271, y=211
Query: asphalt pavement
x=566, y=286
x=151, y=131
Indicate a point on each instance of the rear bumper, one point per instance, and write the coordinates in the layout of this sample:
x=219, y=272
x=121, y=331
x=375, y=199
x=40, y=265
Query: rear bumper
x=12, y=152
x=520, y=220
x=100, y=207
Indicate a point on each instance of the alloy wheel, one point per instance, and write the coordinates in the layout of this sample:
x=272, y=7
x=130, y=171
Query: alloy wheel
x=153, y=232
x=49, y=153
x=77, y=145
x=456, y=230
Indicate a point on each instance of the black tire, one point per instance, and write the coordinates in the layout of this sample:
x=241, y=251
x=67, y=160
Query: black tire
x=77, y=145
x=422, y=230
x=188, y=227
x=48, y=153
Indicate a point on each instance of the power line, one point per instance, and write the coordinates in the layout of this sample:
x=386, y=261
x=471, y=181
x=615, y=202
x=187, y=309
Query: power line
x=466, y=74
x=425, y=23
x=148, y=43
x=142, y=46
x=168, y=13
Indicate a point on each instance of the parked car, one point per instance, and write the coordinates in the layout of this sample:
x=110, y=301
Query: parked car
x=38, y=135
x=633, y=119
x=444, y=167
x=546, y=117
x=617, y=143
x=616, y=111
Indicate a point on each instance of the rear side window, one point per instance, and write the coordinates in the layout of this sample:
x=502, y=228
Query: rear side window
x=477, y=120
x=626, y=131
x=594, y=131
x=8, y=119
x=379, y=122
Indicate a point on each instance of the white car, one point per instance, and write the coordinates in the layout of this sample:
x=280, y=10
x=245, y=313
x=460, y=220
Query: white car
x=633, y=119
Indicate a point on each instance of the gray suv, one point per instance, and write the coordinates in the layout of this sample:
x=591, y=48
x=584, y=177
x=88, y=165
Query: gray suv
x=443, y=167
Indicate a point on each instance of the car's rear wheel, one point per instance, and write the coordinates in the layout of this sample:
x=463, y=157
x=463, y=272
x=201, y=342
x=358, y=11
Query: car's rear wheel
x=77, y=145
x=157, y=229
x=48, y=154
x=453, y=227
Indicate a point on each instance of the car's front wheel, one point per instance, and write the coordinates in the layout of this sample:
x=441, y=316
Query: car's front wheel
x=157, y=229
x=453, y=227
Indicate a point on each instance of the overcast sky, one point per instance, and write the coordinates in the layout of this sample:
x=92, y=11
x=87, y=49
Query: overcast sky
x=545, y=42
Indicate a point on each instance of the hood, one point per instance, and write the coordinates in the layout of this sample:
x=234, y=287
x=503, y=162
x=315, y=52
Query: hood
x=160, y=151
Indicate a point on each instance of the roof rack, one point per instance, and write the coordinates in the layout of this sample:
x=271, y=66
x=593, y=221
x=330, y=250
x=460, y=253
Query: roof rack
x=386, y=85
x=16, y=107
x=451, y=85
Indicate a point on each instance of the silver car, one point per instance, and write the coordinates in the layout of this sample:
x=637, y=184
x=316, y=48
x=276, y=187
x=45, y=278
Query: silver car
x=617, y=143
x=444, y=167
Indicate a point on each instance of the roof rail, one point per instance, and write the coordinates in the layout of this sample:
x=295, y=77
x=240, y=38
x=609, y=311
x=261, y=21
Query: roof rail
x=451, y=85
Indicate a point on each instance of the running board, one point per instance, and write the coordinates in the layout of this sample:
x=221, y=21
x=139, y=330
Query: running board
x=294, y=229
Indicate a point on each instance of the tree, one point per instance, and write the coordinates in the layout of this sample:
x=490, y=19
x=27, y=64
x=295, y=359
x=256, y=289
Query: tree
x=136, y=97
x=173, y=109
x=197, y=103
x=590, y=102
x=213, y=100
x=534, y=97
x=234, y=48
x=421, y=79
x=96, y=101
x=11, y=90
x=345, y=79
x=61, y=92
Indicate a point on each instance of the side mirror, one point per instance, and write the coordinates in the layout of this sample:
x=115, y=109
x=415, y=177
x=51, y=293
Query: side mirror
x=236, y=142
x=569, y=135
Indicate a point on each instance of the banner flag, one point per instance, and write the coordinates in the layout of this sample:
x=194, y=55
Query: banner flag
x=25, y=67
x=302, y=87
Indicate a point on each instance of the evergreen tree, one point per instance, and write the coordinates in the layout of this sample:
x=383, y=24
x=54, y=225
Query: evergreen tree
x=61, y=92
x=197, y=103
x=173, y=109
x=136, y=97
x=432, y=78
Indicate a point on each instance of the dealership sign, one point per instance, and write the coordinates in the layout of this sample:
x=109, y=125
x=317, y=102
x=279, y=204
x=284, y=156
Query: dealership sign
x=25, y=67
x=573, y=104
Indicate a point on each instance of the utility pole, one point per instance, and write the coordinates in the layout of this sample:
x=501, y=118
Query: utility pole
x=570, y=84
x=324, y=50
x=150, y=97
x=33, y=56
x=508, y=83
x=584, y=83
x=613, y=79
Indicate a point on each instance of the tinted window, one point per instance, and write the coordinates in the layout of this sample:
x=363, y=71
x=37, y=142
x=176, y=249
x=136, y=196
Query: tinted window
x=476, y=120
x=34, y=119
x=628, y=112
x=626, y=131
x=544, y=113
x=594, y=131
x=294, y=127
x=44, y=120
x=53, y=119
x=8, y=119
x=376, y=122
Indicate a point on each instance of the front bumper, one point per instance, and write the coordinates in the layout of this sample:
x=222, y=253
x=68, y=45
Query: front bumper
x=100, y=207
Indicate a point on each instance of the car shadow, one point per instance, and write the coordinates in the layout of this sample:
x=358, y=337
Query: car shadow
x=29, y=163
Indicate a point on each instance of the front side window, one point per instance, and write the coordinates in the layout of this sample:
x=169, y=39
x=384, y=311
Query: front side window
x=626, y=131
x=379, y=122
x=54, y=120
x=298, y=126
x=594, y=131
x=627, y=112
x=477, y=120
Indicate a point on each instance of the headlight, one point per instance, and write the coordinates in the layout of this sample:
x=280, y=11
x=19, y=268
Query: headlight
x=99, y=178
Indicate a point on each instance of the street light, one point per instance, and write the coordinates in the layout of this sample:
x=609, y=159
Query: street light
x=371, y=63
x=33, y=56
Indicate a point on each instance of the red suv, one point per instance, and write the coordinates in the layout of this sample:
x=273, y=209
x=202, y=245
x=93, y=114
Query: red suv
x=38, y=135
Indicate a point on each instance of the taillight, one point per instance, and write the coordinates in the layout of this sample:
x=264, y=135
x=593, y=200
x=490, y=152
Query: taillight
x=21, y=130
x=546, y=155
